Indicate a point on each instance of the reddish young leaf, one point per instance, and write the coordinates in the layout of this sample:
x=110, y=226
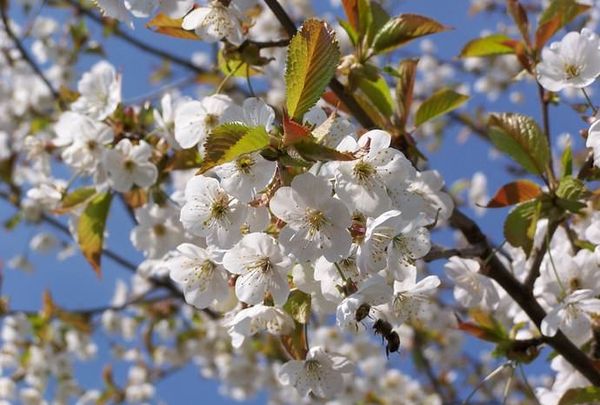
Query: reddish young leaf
x=513, y=193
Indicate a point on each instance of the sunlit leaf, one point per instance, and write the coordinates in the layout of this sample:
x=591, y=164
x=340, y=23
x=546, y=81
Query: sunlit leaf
x=90, y=230
x=521, y=138
x=438, y=104
x=491, y=45
x=403, y=29
x=313, y=56
x=519, y=226
x=74, y=199
x=575, y=396
x=229, y=141
x=406, y=74
x=166, y=25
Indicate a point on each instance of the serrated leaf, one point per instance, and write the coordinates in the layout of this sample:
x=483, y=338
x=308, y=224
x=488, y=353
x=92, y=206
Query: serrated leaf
x=74, y=199
x=90, y=230
x=514, y=193
x=298, y=306
x=521, y=138
x=491, y=45
x=313, y=56
x=163, y=24
x=575, y=396
x=403, y=29
x=438, y=104
x=558, y=14
x=229, y=141
x=406, y=73
x=519, y=224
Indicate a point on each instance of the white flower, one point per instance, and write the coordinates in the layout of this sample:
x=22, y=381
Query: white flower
x=195, y=119
x=100, y=90
x=572, y=316
x=395, y=243
x=85, y=140
x=317, y=223
x=165, y=119
x=115, y=9
x=253, y=320
x=572, y=62
x=593, y=141
x=422, y=194
x=158, y=230
x=471, y=289
x=129, y=164
x=209, y=211
x=362, y=184
x=262, y=265
x=198, y=272
x=320, y=373
x=254, y=112
x=215, y=22
x=410, y=296
x=245, y=177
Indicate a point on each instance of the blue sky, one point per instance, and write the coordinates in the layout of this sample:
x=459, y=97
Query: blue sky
x=74, y=285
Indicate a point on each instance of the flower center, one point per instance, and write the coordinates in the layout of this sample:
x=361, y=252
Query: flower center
x=263, y=264
x=220, y=206
x=572, y=71
x=315, y=219
x=312, y=366
x=363, y=171
x=211, y=120
x=244, y=164
x=159, y=229
x=129, y=165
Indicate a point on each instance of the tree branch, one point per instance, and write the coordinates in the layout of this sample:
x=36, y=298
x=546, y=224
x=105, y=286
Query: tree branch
x=523, y=296
x=25, y=55
x=538, y=255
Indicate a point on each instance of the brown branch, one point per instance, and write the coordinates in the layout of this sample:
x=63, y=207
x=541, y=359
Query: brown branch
x=496, y=270
x=24, y=54
x=538, y=255
x=439, y=252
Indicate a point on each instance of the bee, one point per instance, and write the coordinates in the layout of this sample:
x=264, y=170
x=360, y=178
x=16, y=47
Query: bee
x=384, y=328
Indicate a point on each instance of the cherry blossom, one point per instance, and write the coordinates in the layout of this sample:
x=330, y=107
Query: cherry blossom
x=262, y=265
x=129, y=165
x=316, y=222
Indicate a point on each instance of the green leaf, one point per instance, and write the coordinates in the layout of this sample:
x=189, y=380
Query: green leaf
x=402, y=29
x=74, y=199
x=558, y=14
x=406, y=73
x=576, y=396
x=520, y=223
x=229, y=141
x=312, y=151
x=13, y=221
x=570, y=192
x=378, y=93
x=313, y=56
x=566, y=162
x=90, y=230
x=438, y=104
x=491, y=45
x=298, y=306
x=571, y=188
x=520, y=137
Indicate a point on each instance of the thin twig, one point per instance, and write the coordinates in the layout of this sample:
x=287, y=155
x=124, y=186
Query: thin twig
x=538, y=255
x=25, y=55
